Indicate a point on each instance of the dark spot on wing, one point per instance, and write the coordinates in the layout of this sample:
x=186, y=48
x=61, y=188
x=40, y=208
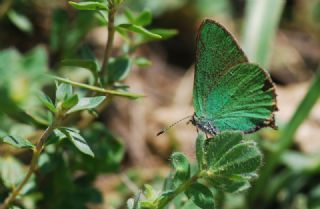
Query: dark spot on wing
x=267, y=85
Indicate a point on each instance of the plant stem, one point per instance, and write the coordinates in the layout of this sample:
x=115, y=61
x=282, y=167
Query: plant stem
x=97, y=89
x=33, y=166
x=182, y=188
x=109, y=45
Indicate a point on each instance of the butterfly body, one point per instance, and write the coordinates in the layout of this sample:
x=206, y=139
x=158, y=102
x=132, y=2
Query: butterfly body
x=204, y=125
x=229, y=93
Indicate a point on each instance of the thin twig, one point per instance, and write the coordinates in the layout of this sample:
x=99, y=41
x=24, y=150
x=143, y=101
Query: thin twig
x=33, y=166
x=109, y=45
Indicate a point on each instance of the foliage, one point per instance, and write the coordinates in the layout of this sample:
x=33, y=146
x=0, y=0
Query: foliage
x=226, y=163
x=60, y=171
x=60, y=150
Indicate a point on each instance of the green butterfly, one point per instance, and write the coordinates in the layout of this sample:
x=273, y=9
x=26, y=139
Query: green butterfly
x=229, y=93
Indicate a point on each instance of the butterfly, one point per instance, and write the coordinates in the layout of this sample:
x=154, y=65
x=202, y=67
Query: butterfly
x=229, y=93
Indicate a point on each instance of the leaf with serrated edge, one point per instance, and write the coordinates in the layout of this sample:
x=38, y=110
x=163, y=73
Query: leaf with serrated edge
x=242, y=158
x=231, y=184
x=220, y=144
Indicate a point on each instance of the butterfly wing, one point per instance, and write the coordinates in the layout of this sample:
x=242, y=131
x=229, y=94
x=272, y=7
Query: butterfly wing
x=229, y=91
x=244, y=99
x=217, y=52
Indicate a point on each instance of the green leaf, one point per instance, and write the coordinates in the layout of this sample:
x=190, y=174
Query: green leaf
x=40, y=116
x=201, y=196
x=46, y=101
x=63, y=92
x=55, y=137
x=70, y=102
x=100, y=90
x=164, y=197
x=200, y=150
x=11, y=171
x=140, y=30
x=164, y=33
x=108, y=150
x=86, y=103
x=17, y=142
x=144, y=18
x=149, y=192
x=232, y=163
x=142, y=62
x=129, y=15
x=146, y=204
x=181, y=166
x=21, y=21
x=14, y=207
x=83, y=63
x=242, y=158
x=231, y=184
x=88, y=5
x=78, y=141
x=220, y=144
x=118, y=68
x=168, y=184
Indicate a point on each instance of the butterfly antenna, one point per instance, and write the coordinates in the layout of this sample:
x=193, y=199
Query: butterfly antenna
x=172, y=125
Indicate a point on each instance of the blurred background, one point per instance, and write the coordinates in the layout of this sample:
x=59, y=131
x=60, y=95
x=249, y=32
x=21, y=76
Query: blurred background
x=35, y=35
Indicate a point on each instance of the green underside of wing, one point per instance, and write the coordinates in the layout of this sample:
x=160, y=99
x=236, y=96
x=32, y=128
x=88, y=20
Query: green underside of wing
x=229, y=91
x=217, y=52
x=243, y=99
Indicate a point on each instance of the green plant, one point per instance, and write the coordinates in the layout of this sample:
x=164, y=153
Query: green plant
x=225, y=163
x=58, y=145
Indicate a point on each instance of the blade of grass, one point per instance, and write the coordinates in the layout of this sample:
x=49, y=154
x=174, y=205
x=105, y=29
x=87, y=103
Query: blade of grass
x=98, y=89
x=261, y=21
x=286, y=138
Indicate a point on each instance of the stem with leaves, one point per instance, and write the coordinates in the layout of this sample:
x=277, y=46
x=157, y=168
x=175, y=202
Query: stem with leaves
x=226, y=163
x=182, y=188
x=33, y=165
x=109, y=45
